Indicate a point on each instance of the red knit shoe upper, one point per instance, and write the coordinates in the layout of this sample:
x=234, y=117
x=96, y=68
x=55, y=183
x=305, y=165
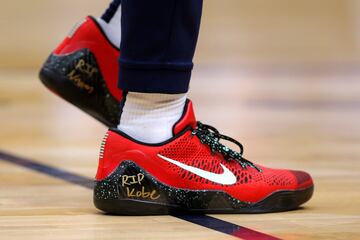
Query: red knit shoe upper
x=185, y=162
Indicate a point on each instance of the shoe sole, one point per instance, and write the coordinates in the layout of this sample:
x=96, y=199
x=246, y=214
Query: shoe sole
x=58, y=82
x=113, y=197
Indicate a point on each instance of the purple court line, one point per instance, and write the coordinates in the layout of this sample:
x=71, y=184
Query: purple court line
x=198, y=219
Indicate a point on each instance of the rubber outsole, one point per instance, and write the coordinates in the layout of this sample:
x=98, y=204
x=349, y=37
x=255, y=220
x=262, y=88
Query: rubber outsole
x=277, y=202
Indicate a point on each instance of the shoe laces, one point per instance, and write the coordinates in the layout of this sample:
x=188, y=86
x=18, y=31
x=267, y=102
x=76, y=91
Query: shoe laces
x=211, y=136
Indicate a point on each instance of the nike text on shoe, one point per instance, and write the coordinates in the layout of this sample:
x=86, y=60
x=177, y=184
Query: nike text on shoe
x=83, y=70
x=191, y=172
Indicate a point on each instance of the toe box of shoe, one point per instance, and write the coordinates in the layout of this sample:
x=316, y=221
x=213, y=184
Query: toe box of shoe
x=304, y=180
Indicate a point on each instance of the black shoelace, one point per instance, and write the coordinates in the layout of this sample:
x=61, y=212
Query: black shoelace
x=211, y=136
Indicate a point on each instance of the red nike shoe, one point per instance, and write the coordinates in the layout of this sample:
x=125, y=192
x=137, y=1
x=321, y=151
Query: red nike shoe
x=192, y=172
x=83, y=70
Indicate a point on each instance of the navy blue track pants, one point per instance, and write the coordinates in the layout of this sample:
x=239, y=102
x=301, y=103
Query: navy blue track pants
x=158, y=41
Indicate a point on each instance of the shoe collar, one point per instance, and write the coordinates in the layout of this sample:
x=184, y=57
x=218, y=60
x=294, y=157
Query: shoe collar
x=186, y=123
x=187, y=119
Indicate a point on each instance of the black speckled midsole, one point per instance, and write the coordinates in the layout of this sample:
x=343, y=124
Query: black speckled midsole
x=77, y=78
x=130, y=190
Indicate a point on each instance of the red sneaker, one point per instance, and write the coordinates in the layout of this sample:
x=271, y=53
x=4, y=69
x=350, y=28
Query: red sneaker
x=83, y=70
x=192, y=172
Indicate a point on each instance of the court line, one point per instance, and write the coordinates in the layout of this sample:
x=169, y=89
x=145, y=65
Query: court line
x=198, y=219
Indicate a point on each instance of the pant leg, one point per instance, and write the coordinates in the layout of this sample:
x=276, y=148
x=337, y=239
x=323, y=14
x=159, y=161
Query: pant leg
x=111, y=10
x=158, y=44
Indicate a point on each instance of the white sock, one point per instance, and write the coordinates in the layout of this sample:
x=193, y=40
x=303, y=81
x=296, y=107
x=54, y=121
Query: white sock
x=150, y=117
x=113, y=28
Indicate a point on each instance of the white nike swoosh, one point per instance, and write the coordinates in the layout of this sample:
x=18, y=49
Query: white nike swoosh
x=226, y=178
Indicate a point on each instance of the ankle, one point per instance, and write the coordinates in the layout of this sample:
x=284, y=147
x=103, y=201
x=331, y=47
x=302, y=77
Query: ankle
x=149, y=117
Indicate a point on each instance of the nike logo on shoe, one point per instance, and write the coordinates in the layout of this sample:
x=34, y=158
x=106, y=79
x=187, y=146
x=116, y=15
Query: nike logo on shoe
x=225, y=178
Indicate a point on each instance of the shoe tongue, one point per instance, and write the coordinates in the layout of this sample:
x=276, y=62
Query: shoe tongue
x=187, y=119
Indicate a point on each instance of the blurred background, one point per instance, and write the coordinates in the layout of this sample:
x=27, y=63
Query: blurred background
x=241, y=31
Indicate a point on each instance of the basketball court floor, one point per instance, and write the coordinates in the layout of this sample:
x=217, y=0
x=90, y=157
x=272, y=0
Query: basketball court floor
x=287, y=117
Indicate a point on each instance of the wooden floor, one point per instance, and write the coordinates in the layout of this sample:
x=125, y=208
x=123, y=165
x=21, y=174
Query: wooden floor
x=301, y=119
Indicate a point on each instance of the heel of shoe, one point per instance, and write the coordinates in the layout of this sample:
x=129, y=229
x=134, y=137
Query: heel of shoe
x=77, y=79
